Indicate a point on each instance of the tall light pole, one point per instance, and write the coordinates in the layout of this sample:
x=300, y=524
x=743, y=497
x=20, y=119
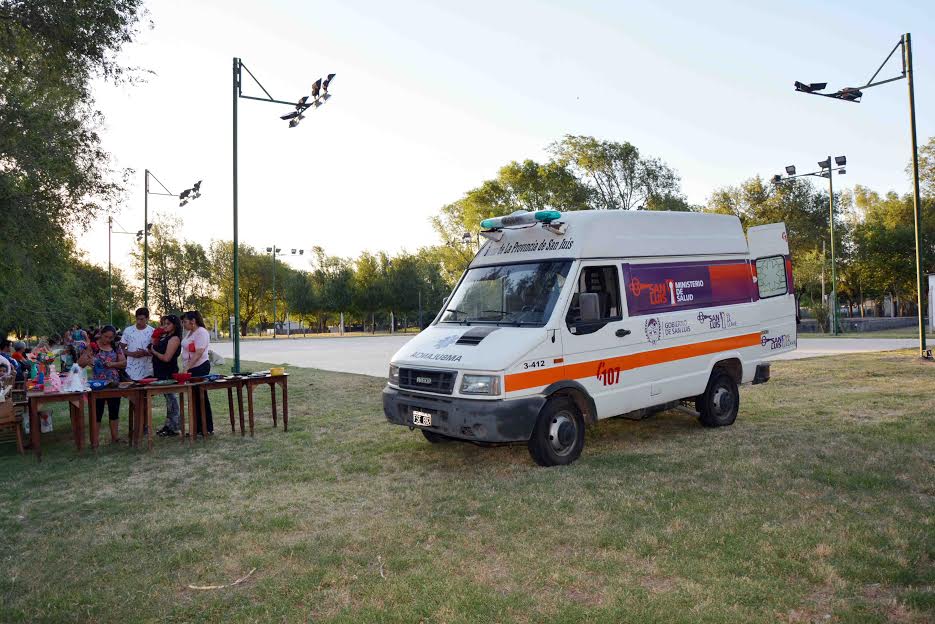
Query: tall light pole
x=184, y=197
x=825, y=171
x=110, y=278
x=854, y=94
x=276, y=250
x=319, y=96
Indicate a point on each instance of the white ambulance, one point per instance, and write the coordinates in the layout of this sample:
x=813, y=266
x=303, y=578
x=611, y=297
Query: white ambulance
x=565, y=319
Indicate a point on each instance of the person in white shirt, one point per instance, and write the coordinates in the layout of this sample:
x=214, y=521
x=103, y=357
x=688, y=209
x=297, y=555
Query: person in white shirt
x=136, y=340
x=195, y=345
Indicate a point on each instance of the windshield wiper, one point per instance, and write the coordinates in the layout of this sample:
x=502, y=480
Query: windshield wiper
x=456, y=311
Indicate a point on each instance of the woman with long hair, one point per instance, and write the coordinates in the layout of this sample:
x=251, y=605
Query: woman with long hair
x=165, y=350
x=107, y=359
x=195, y=360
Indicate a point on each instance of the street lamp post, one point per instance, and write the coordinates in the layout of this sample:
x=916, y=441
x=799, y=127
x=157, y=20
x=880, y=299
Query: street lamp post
x=319, y=96
x=184, y=197
x=854, y=94
x=825, y=171
x=110, y=279
x=276, y=250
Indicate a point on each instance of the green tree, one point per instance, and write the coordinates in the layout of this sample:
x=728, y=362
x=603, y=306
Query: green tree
x=518, y=186
x=180, y=274
x=618, y=176
x=54, y=175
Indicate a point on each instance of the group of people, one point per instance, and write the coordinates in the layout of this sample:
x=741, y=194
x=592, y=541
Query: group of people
x=141, y=351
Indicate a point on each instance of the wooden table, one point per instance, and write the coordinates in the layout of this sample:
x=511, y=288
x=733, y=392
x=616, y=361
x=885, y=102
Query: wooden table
x=271, y=380
x=75, y=402
x=131, y=394
x=230, y=384
x=183, y=390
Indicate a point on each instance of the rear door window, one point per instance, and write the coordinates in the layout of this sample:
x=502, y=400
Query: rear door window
x=771, y=276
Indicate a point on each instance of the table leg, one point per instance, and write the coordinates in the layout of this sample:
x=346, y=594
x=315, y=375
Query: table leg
x=272, y=396
x=250, y=406
x=191, y=415
x=34, y=431
x=230, y=407
x=75, y=432
x=93, y=424
x=240, y=408
x=131, y=425
x=203, y=395
x=79, y=419
x=182, y=416
x=148, y=413
x=285, y=404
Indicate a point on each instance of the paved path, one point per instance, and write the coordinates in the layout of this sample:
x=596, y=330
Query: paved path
x=365, y=355
x=815, y=347
x=371, y=356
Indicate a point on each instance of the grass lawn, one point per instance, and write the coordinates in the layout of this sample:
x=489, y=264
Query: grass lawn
x=817, y=505
x=895, y=332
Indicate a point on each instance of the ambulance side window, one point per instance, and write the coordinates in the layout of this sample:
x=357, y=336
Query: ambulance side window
x=596, y=300
x=771, y=276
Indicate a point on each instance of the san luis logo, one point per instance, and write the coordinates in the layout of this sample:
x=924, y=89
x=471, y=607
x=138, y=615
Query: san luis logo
x=653, y=329
x=447, y=341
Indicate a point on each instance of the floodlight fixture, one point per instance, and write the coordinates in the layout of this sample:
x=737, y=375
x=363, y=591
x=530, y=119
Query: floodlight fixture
x=840, y=161
x=842, y=171
x=316, y=88
x=790, y=170
x=848, y=94
x=825, y=164
x=810, y=87
x=777, y=179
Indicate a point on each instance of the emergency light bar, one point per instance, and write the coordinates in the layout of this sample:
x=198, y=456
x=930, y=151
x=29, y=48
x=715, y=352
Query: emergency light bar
x=520, y=217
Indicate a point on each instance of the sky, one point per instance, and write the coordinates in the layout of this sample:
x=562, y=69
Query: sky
x=432, y=98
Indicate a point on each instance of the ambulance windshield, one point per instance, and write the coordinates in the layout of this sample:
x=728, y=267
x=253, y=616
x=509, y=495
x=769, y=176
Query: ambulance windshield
x=508, y=294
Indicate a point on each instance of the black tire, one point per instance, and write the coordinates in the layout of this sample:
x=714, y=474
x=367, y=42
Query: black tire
x=558, y=437
x=434, y=438
x=719, y=404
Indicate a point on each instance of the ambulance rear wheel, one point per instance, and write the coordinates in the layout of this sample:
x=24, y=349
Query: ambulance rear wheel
x=718, y=406
x=558, y=437
x=434, y=438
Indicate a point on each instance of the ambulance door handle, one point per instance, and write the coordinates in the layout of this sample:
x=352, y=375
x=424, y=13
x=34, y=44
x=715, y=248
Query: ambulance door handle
x=622, y=332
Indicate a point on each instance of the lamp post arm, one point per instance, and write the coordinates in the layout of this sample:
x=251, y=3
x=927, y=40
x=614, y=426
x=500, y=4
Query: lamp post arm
x=870, y=82
x=167, y=191
x=270, y=100
x=240, y=84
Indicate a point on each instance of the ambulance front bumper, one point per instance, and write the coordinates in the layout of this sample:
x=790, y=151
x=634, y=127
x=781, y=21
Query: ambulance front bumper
x=476, y=420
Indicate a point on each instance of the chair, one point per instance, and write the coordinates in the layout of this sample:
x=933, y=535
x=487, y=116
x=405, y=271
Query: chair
x=11, y=417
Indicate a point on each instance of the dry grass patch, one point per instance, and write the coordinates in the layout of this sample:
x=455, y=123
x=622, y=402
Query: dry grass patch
x=815, y=506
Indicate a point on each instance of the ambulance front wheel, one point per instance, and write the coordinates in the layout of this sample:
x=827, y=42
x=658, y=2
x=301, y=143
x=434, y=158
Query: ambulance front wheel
x=558, y=437
x=718, y=406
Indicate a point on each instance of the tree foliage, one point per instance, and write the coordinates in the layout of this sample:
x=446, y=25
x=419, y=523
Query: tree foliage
x=618, y=176
x=54, y=175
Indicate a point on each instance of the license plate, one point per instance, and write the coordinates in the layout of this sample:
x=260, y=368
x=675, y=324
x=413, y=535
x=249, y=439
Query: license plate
x=421, y=419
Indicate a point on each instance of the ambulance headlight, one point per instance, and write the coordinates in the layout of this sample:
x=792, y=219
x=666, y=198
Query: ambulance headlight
x=394, y=374
x=480, y=384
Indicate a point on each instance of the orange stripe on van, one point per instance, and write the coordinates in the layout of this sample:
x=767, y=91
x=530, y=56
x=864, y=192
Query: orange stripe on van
x=535, y=379
x=730, y=272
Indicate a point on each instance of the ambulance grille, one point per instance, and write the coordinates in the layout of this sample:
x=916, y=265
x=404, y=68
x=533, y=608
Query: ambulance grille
x=440, y=382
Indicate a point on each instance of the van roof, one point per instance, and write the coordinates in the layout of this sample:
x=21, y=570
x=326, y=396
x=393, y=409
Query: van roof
x=619, y=233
